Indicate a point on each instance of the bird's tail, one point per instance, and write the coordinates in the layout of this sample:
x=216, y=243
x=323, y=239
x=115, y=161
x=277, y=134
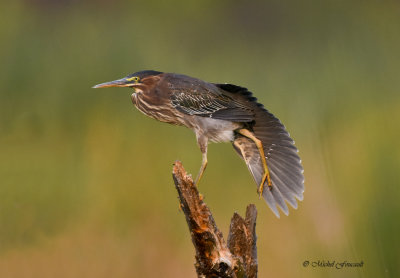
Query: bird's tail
x=283, y=162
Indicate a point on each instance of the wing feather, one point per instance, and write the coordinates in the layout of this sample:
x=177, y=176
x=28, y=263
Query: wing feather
x=210, y=103
x=281, y=154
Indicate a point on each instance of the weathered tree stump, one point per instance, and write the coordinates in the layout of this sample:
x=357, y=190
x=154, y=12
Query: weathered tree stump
x=215, y=258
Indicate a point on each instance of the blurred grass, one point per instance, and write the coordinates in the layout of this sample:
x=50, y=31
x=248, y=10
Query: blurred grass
x=86, y=187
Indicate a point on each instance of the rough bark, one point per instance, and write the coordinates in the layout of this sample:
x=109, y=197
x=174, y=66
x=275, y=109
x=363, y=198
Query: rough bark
x=215, y=258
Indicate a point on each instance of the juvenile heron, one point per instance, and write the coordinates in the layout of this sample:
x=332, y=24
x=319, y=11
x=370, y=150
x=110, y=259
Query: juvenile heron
x=222, y=113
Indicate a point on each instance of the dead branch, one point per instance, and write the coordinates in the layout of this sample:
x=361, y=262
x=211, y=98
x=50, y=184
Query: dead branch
x=215, y=258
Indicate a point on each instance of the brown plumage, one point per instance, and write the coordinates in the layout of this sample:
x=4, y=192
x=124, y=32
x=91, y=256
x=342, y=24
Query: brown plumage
x=220, y=113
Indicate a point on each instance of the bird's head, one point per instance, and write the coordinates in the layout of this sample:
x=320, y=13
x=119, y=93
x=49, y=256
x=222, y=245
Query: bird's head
x=140, y=81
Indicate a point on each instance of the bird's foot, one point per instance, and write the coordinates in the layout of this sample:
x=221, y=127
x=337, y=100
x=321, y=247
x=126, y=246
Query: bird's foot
x=260, y=190
x=201, y=172
x=196, y=182
x=267, y=178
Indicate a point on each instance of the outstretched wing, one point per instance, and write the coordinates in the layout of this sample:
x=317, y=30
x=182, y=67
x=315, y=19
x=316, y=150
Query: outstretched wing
x=284, y=167
x=210, y=103
x=283, y=162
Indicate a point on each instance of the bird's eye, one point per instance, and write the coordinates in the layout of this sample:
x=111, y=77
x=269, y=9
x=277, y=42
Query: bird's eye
x=134, y=78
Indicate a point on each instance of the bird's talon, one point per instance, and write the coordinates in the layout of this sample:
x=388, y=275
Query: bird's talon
x=260, y=190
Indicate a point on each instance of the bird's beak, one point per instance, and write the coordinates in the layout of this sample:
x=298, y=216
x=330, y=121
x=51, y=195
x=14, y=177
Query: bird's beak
x=116, y=83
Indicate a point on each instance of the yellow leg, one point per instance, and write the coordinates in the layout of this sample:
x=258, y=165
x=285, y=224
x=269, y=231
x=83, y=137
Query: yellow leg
x=259, y=145
x=202, y=168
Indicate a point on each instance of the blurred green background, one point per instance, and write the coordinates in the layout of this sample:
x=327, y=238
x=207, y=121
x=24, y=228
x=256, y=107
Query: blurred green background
x=85, y=179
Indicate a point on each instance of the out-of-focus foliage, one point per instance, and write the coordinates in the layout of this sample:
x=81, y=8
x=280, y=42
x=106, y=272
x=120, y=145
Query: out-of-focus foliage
x=85, y=179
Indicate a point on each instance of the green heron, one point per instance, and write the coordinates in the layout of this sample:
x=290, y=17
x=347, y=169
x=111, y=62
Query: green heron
x=222, y=113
